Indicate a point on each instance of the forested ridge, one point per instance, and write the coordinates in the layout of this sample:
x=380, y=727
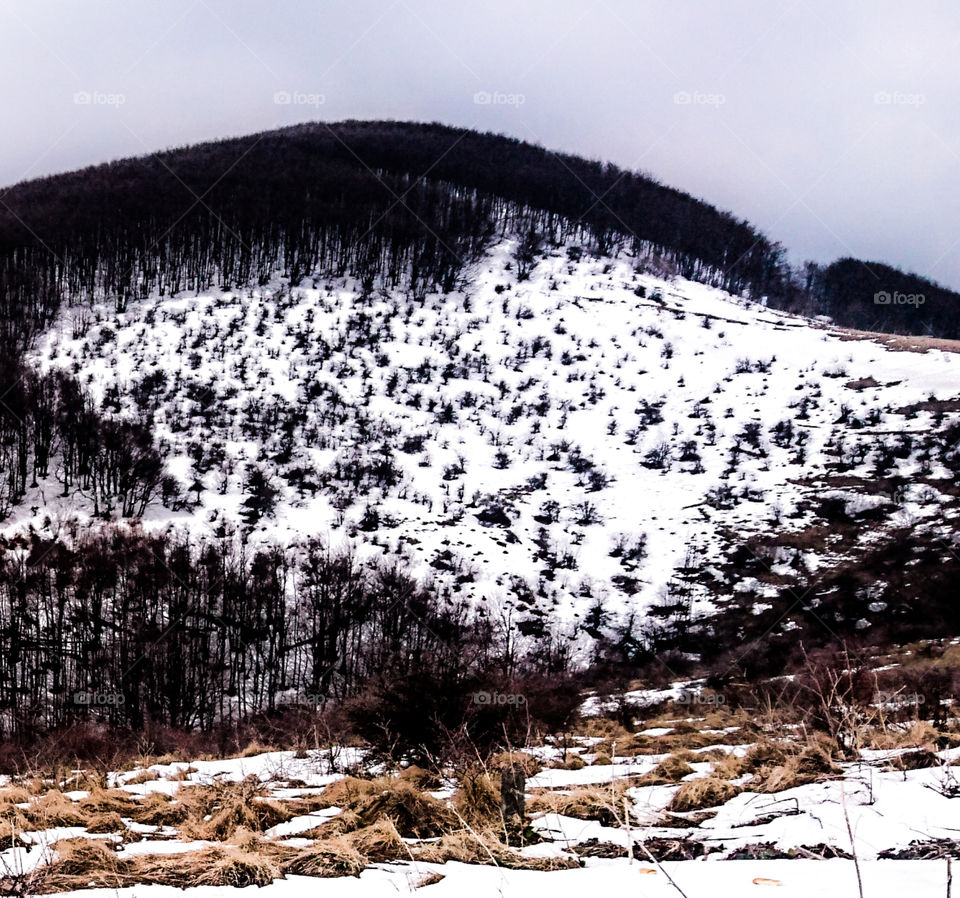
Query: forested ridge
x=391, y=203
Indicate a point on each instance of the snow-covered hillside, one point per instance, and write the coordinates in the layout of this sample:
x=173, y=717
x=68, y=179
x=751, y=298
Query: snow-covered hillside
x=589, y=434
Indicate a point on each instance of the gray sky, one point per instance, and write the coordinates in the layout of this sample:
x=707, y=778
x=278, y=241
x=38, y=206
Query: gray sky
x=832, y=125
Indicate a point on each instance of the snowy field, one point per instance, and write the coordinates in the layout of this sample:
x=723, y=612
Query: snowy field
x=886, y=810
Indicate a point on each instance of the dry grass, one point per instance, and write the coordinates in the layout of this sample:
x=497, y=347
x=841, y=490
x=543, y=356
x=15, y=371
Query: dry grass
x=782, y=771
x=159, y=809
x=639, y=744
x=144, y=776
x=10, y=837
x=697, y=795
x=766, y=754
x=601, y=803
x=345, y=822
x=84, y=863
x=674, y=768
x=530, y=765
x=414, y=813
x=918, y=734
x=331, y=857
x=603, y=728
x=257, y=748
x=13, y=819
x=226, y=865
x=214, y=813
x=105, y=823
x=425, y=780
x=11, y=795
x=728, y=767
x=486, y=848
x=108, y=801
x=477, y=801
x=916, y=759
x=379, y=843
x=53, y=808
x=79, y=863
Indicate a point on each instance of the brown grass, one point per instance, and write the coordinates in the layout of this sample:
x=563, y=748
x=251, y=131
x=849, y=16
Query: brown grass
x=79, y=863
x=345, y=822
x=477, y=801
x=331, y=857
x=425, y=780
x=601, y=803
x=380, y=843
x=226, y=865
x=603, y=728
x=84, y=863
x=214, y=813
x=674, y=768
x=486, y=848
x=728, y=767
x=108, y=801
x=105, y=823
x=414, y=813
x=639, y=744
x=15, y=795
x=813, y=764
x=697, y=795
x=530, y=765
x=53, y=808
x=159, y=809
x=256, y=748
x=10, y=837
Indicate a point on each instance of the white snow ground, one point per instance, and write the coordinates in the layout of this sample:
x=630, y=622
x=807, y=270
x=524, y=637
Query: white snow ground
x=886, y=809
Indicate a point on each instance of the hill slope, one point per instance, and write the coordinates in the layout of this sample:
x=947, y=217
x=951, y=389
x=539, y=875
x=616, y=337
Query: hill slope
x=571, y=446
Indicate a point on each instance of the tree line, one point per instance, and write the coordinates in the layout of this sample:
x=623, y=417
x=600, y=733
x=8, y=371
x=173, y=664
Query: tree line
x=139, y=630
x=49, y=426
x=386, y=202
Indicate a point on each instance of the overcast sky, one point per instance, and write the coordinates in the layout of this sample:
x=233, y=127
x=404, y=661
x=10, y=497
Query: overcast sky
x=830, y=124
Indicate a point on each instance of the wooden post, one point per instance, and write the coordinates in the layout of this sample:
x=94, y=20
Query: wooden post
x=513, y=785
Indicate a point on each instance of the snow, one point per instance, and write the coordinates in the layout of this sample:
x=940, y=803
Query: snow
x=666, y=370
x=884, y=809
x=799, y=878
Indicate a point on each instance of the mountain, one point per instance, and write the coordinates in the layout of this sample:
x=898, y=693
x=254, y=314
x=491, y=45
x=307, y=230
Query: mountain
x=324, y=400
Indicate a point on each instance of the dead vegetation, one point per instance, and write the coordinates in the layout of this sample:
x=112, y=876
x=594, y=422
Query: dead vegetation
x=394, y=818
x=215, y=812
x=603, y=804
x=414, y=813
x=700, y=794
